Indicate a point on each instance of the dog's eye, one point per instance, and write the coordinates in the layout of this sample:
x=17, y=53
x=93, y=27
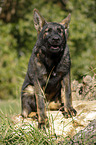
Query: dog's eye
x=49, y=30
x=59, y=30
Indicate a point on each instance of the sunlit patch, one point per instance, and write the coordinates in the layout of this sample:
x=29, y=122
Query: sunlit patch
x=29, y=90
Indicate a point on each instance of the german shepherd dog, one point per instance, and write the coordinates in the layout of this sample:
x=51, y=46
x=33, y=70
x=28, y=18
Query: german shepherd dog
x=48, y=74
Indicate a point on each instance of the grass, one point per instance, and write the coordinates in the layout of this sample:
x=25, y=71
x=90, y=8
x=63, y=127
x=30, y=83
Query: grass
x=26, y=134
x=10, y=107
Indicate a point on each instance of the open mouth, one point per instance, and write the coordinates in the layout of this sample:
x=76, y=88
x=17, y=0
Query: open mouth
x=54, y=48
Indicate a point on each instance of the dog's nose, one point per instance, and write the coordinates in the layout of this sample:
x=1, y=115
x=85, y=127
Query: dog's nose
x=56, y=38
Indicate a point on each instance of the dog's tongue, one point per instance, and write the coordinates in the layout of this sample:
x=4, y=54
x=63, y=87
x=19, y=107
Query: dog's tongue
x=54, y=47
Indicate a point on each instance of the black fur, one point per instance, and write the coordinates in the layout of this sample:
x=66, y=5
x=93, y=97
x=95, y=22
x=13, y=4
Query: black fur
x=48, y=66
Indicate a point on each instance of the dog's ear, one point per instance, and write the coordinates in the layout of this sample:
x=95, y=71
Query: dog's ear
x=66, y=21
x=39, y=21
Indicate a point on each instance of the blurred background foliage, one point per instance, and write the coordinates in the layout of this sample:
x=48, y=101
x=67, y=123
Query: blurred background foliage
x=18, y=37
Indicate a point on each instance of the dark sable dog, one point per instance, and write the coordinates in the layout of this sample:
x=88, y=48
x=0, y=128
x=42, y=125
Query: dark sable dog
x=48, y=75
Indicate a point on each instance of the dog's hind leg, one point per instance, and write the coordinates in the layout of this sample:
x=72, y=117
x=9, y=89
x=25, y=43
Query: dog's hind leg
x=28, y=101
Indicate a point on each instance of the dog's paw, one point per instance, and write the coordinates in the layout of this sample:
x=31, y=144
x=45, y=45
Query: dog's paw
x=43, y=124
x=69, y=112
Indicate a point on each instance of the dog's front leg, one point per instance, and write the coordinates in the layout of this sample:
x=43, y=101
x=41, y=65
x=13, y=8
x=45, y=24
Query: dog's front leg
x=66, y=98
x=41, y=107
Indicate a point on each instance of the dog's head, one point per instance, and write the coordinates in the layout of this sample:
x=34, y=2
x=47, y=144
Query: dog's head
x=52, y=35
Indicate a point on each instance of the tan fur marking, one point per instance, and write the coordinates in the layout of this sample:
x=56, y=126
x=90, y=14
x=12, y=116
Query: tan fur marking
x=29, y=90
x=25, y=113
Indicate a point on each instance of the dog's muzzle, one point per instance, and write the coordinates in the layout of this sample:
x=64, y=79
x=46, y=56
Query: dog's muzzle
x=54, y=43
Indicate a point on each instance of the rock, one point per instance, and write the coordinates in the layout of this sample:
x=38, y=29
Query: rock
x=87, y=80
x=86, y=90
x=86, y=136
x=86, y=112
